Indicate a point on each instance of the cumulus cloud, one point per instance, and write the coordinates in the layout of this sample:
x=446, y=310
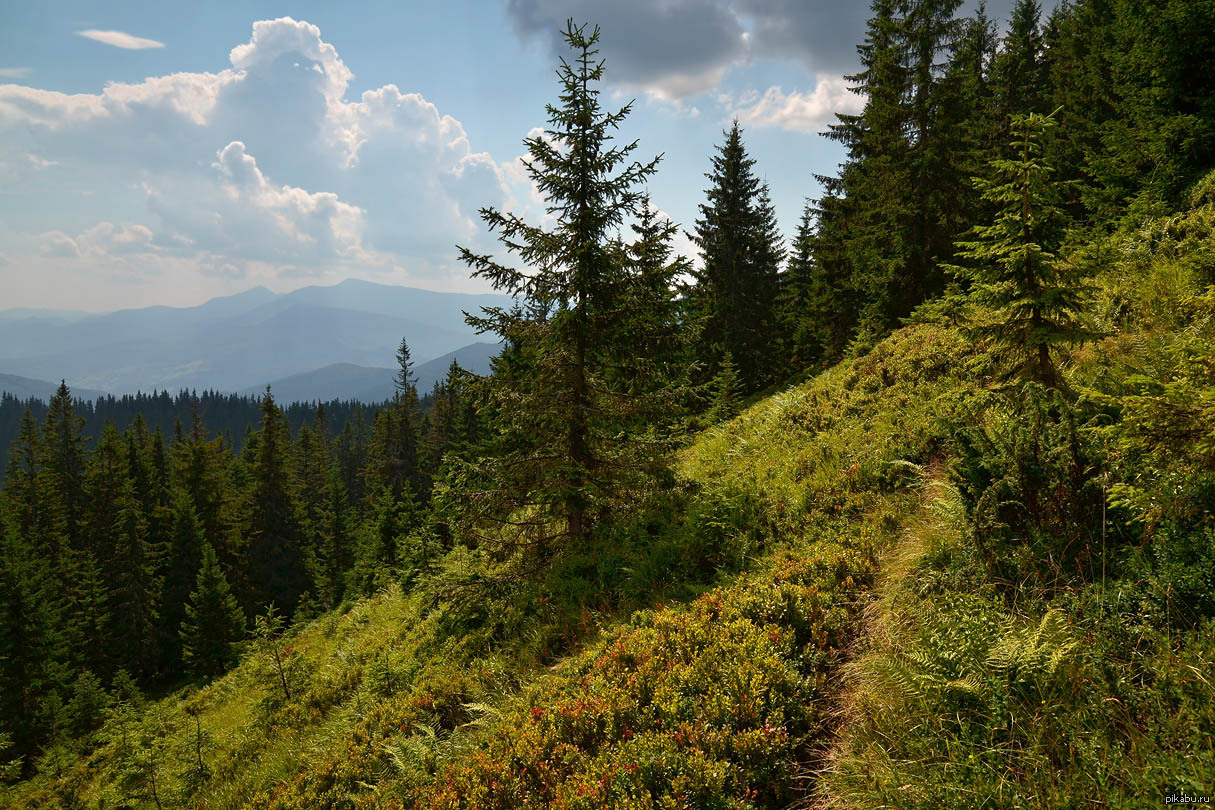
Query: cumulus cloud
x=103, y=239
x=810, y=112
x=267, y=161
x=256, y=218
x=120, y=39
x=58, y=243
x=106, y=238
x=15, y=72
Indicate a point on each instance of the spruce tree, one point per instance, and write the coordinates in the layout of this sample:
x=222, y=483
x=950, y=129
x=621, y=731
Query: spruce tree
x=182, y=562
x=63, y=460
x=379, y=557
x=334, y=551
x=567, y=441
x=134, y=589
x=33, y=644
x=1030, y=297
x=23, y=490
x=735, y=291
x=350, y=452
x=805, y=302
x=276, y=566
x=201, y=467
x=1019, y=78
x=891, y=217
x=312, y=462
x=212, y=622
x=870, y=195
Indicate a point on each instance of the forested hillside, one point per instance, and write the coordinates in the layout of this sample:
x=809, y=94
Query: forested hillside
x=915, y=511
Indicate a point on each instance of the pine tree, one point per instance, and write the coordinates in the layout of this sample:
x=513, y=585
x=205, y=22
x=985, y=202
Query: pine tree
x=566, y=436
x=213, y=621
x=312, y=462
x=182, y=562
x=134, y=589
x=33, y=645
x=1030, y=295
x=277, y=572
x=63, y=462
x=379, y=558
x=334, y=552
x=350, y=451
x=869, y=197
x=201, y=466
x=803, y=322
x=1019, y=78
x=735, y=291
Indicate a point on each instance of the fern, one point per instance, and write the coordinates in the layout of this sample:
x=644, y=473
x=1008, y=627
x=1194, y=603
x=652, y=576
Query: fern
x=1033, y=655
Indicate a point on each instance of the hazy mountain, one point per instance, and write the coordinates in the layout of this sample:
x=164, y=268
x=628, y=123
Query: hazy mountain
x=25, y=387
x=372, y=384
x=241, y=341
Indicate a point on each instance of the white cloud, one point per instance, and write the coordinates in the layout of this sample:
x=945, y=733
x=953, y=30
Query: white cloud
x=39, y=163
x=120, y=39
x=59, y=244
x=106, y=238
x=102, y=240
x=809, y=112
x=267, y=162
x=15, y=72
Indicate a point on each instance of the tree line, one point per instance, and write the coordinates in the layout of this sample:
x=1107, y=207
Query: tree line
x=142, y=559
x=228, y=416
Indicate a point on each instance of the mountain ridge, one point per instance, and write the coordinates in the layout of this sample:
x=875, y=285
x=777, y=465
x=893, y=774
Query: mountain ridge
x=242, y=341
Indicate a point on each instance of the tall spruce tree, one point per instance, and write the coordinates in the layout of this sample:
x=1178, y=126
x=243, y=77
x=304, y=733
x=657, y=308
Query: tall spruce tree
x=182, y=561
x=277, y=570
x=312, y=462
x=212, y=621
x=889, y=220
x=1019, y=78
x=869, y=240
x=63, y=460
x=201, y=468
x=735, y=292
x=1029, y=296
x=33, y=645
x=569, y=435
x=803, y=314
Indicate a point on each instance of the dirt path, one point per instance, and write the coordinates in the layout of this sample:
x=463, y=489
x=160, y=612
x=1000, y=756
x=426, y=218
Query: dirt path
x=876, y=620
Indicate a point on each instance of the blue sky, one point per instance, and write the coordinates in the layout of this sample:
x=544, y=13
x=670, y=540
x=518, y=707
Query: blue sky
x=165, y=153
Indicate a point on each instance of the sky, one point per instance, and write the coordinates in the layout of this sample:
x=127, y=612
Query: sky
x=168, y=153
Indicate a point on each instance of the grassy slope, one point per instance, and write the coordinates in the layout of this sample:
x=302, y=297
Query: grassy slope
x=801, y=490
x=1100, y=693
x=724, y=692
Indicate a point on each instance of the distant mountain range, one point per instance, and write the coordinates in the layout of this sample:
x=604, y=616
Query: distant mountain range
x=308, y=344
x=27, y=388
x=348, y=381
